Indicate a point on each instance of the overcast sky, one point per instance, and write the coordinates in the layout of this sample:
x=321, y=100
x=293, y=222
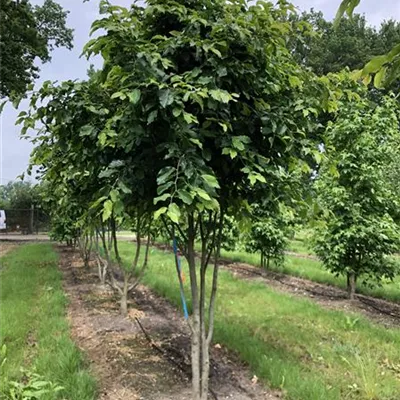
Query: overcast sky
x=14, y=153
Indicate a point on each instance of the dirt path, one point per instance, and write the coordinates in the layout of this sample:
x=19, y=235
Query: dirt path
x=126, y=364
x=381, y=311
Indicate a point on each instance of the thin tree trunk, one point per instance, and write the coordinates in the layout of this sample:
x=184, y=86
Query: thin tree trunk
x=196, y=328
x=268, y=260
x=124, y=295
x=207, y=338
x=351, y=285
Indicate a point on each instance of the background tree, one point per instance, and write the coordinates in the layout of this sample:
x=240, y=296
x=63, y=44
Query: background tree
x=351, y=43
x=384, y=68
x=359, y=232
x=28, y=33
x=19, y=195
x=267, y=236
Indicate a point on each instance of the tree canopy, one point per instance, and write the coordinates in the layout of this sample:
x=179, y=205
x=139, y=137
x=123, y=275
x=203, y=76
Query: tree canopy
x=384, y=68
x=19, y=195
x=360, y=201
x=28, y=33
x=352, y=43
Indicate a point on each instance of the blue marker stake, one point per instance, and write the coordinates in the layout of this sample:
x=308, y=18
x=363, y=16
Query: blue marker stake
x=179, y=269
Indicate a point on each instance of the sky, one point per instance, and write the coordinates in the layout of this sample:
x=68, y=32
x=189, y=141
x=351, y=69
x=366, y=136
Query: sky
x=65, y=64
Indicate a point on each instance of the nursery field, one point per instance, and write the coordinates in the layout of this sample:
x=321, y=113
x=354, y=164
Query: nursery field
x=295, y=347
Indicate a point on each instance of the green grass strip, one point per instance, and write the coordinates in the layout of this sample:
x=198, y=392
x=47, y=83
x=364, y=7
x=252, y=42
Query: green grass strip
x=33, y=323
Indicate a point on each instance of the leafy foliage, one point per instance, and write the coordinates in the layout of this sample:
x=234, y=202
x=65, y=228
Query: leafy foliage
x=32, y=387
x=359, y=231
x=385, y=67
x=27, y=33
x=352, y=43
x=19, y=195
x=267, y=237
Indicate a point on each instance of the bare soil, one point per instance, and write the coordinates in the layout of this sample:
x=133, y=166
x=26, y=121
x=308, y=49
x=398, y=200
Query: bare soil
x=127, y=364
x=6, y=247
x=19, y=237
x=378, y=310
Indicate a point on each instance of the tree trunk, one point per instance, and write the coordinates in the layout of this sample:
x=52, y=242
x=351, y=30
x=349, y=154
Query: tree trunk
x=196, y=328
x=124, y=296
x=268, y=260
x=351, y=285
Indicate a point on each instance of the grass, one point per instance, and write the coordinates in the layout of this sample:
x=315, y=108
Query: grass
x=314, y=271
x=33, y=323
x=311, y=269
x=294, y=344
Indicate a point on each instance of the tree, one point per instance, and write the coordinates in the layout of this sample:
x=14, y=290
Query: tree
x=267, y=237
x=28, y=33
x=209, y=93
x=359, y=232
x=87, y=178
x=352, y=43
x=384, y=68
x=19, y=195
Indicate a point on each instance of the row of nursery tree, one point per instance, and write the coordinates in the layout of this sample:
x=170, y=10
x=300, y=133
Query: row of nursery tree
x=201, y=116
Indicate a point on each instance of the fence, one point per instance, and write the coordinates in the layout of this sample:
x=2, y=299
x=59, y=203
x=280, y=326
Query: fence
x=27, y=221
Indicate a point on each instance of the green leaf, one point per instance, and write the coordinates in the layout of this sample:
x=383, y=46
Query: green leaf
x=98, y=201
x=176, y=112
x=255, y=176
x=114, y=195
x=294, y=81
x=165, y=174
x=216, y=51
x=185, y=196
x=173, y=212
x=189, y=118
x=119, y=95
x=159, y=212
x=379, y=77
x=318, y=157
x=107, y=210
x=203, y=194
x=233, y=153
x=164, y=197
x=211, y=180
x=220, y=95
x=124, y=188
x=86, y=130
x=134, y=96
x=166, y=97
x=375, y=64
x=237, y=143
x=197, y=142
x=152, y=116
